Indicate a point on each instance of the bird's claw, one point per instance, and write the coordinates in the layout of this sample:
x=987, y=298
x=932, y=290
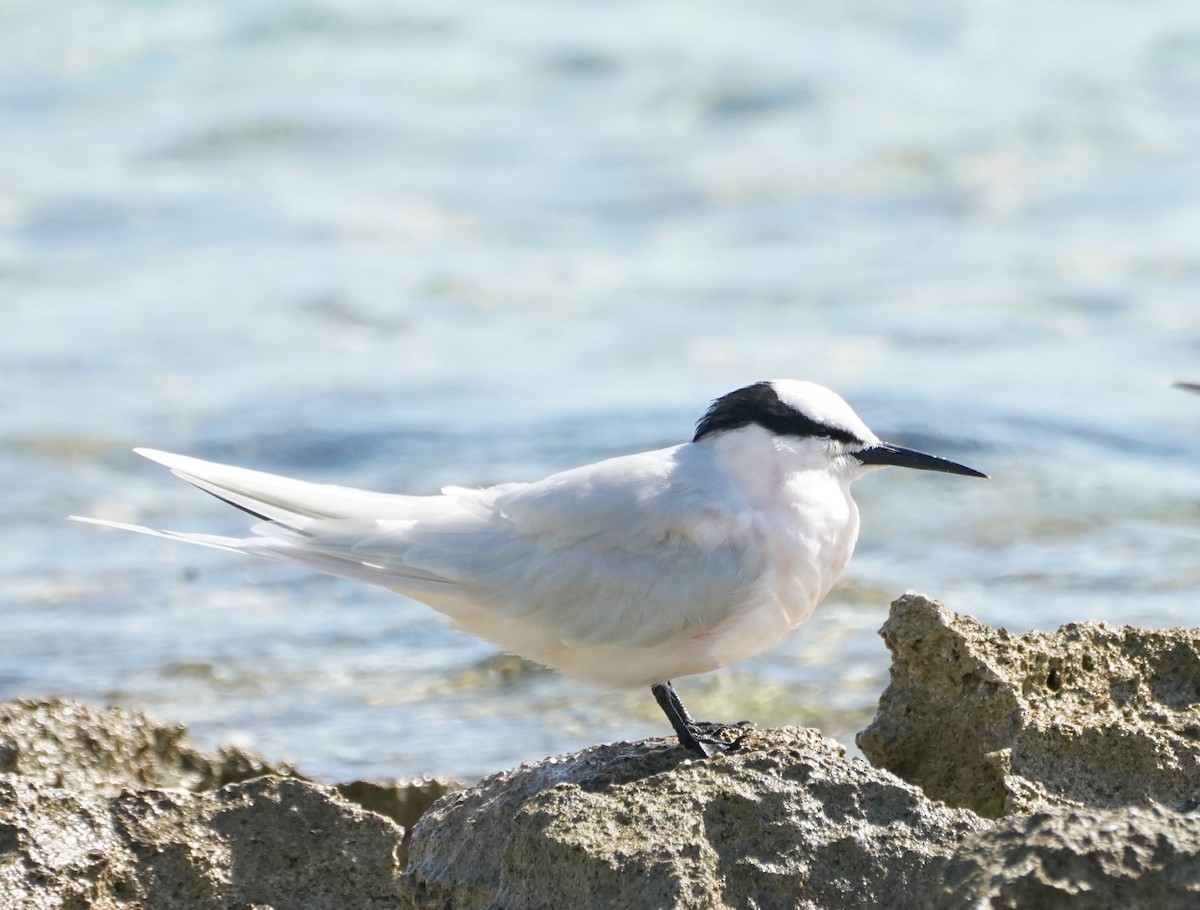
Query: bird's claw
x=705, y=737
x=716, y=726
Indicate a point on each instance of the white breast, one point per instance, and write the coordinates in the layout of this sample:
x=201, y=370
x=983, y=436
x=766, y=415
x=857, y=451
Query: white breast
x=799, y=529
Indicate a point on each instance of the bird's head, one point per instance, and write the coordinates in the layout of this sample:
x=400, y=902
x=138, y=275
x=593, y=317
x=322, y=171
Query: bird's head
x=815, y=426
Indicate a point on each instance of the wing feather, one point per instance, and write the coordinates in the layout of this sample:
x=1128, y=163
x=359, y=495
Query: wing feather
x=630, y=551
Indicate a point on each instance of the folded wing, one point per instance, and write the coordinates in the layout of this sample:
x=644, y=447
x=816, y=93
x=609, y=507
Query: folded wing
x=632, y=551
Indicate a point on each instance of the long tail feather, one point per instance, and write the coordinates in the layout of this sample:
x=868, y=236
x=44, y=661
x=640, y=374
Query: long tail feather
x=204, y=540
x=332, y=529
x=280, y=548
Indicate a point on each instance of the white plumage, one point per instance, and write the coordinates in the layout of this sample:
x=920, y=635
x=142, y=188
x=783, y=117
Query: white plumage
x=627, y=572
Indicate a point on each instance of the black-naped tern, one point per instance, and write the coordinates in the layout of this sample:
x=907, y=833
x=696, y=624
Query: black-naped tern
x=631, y=571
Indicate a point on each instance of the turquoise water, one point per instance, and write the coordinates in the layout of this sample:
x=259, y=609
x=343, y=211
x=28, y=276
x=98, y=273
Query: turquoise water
x=402, y=245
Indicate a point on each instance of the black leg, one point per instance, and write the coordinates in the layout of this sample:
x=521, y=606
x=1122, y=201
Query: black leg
x=699, y=736
x=669, y=701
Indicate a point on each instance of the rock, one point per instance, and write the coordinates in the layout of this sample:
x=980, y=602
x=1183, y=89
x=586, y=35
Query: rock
x=404, y=801
x=65, y=743
x=266, y=842
x=787, y=820
x=1090, y=715
x=1091, y=859
x=1081, y=745
x=103, y=807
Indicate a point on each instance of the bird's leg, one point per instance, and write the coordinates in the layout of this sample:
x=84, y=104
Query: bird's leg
x=708, y=726
x=697, y=735
x=669, y=701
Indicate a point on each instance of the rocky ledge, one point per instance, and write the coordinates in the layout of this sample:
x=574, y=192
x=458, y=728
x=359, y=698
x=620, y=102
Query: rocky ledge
x=1037, y=770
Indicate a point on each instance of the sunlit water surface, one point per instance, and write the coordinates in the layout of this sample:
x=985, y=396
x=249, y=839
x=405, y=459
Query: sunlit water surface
x=398, y=246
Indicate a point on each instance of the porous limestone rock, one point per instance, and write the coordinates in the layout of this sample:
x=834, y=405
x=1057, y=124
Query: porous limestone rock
x=785, y=820
x=1084, y=743
x=403, y=800
x=107, y=808
x=67, y=743
x=277, y=842
x=1090, y=715
x=1133, y=858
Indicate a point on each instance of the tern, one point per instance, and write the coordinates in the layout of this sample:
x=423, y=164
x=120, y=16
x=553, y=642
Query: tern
x=629, y=572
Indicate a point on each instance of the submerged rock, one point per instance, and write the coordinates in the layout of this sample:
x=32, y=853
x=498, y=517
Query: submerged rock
x=786, y=820
x=1090, y=715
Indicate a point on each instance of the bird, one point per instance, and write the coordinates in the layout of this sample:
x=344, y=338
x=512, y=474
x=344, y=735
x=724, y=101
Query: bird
x=628, y=572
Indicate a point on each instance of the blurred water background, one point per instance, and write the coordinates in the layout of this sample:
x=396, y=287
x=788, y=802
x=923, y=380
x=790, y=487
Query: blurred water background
x=398, y=245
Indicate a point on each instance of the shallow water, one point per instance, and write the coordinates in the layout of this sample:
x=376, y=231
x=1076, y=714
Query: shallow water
x=402, y=246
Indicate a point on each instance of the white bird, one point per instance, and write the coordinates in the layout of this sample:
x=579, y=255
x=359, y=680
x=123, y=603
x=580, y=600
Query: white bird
x=631, y=571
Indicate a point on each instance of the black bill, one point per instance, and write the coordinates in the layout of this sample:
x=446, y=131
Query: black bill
x=885, y=453
x=1188, y=386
